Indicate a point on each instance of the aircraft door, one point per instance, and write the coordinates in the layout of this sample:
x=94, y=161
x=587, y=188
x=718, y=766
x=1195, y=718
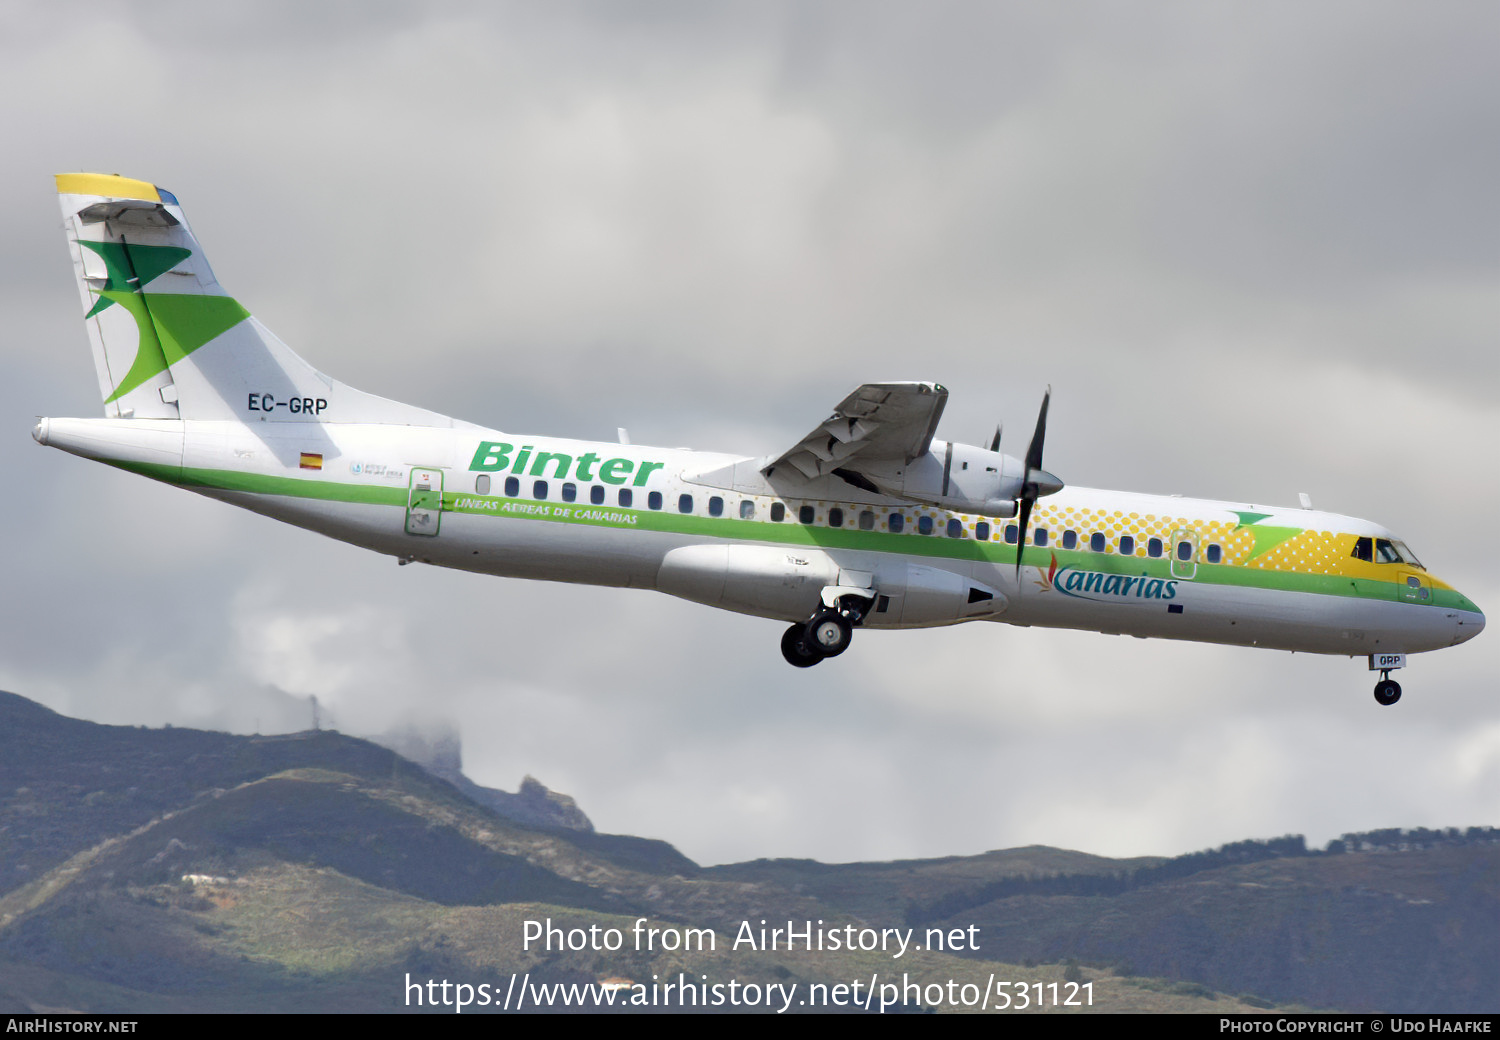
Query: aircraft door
x=424, y=502
x=1184, y=550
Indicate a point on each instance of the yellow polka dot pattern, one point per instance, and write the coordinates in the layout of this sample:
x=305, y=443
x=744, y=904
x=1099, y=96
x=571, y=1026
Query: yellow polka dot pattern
x=1307, y=552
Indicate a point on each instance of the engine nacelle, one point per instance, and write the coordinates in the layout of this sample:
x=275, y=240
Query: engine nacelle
x=953, y=476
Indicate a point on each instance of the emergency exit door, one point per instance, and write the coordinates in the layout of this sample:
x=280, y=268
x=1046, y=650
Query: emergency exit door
x=424, y=502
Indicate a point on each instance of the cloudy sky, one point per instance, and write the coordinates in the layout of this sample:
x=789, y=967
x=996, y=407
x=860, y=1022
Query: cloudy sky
x=1253, y=248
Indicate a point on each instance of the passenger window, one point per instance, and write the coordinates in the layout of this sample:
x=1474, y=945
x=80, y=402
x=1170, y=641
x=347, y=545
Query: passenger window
x=513, y=486
x=1184, y=551
x=1153, y=548
x=596, y=494
x=835, y=517
x=482, y=484
x=805, y=514
x=570, y=492
x=1127, y=545
x=1070, y=539
x=1011, y=534
x=866, y=520
x=778, y=512
x=626, y=497
x=924, y=525
x=896, y=522
x=1096, y=542
x=1363, y=549
x=982, y=531
x=955, y=527
x=654, y=500
x=539, y=489
x=1039, y=536
x=715, y=506
x=684, y=503
x=1214, y=554
x=747, y=509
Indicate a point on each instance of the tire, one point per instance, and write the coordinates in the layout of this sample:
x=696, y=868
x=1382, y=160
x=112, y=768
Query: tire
x=828, y=634
x=1387, y=692
x=794, y=648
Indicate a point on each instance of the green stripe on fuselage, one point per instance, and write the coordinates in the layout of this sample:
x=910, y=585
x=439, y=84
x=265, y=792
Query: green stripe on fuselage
x=933, y=546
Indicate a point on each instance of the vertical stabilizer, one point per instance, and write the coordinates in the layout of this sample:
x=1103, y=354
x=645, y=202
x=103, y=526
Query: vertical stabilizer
x=168, y=341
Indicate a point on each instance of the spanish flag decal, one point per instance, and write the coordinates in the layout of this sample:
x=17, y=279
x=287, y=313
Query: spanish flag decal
x=311, y=460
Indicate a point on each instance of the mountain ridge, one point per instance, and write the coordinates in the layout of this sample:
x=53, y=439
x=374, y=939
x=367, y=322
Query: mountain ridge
x=180, y=870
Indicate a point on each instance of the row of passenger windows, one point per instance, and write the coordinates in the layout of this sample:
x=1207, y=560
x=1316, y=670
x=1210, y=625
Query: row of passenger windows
x=864, y=520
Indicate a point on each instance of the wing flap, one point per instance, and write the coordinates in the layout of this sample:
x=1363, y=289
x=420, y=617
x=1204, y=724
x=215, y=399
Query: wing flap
x=880, y=423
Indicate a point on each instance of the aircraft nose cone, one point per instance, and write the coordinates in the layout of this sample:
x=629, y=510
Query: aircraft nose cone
x=39, y=431
x=1470, y=624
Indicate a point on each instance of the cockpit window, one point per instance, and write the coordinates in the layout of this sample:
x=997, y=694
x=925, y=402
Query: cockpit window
x=1385, y=552
x=1363, y=549
x=1407, y=556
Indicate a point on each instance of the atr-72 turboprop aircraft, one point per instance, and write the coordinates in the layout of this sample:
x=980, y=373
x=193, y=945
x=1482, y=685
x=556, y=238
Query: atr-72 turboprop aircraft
x=868, y=521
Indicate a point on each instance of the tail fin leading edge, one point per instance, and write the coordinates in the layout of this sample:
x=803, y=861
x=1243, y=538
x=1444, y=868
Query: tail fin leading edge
x=168, y=341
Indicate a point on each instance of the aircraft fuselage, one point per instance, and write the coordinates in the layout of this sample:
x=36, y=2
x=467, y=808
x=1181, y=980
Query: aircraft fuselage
x=643, y=517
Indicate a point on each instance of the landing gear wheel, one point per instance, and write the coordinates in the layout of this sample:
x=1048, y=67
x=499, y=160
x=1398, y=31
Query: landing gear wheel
x=795, y=649
x=829, y=633
x=1387, y=692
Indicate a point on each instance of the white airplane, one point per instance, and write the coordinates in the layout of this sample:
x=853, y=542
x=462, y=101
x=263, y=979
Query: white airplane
x=868, y=521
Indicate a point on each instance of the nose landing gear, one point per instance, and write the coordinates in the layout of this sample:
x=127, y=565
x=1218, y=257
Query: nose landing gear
x=1387, y=690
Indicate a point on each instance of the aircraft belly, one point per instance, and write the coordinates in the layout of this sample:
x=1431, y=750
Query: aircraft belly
x=1298, y=621
x=554, y=552
x=507, y=547
x=370, y=526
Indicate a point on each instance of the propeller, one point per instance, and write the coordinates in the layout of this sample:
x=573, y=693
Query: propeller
x=1037, y=482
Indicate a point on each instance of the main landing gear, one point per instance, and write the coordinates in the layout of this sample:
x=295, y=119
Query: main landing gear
x=826, y=634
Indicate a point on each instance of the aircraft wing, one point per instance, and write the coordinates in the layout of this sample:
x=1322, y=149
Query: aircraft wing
x=878, y=423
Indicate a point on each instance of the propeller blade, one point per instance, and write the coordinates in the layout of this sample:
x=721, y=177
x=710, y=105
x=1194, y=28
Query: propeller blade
x=995, y=440
x=1034, y=451
x=1023, y=520
x=1037, y=481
